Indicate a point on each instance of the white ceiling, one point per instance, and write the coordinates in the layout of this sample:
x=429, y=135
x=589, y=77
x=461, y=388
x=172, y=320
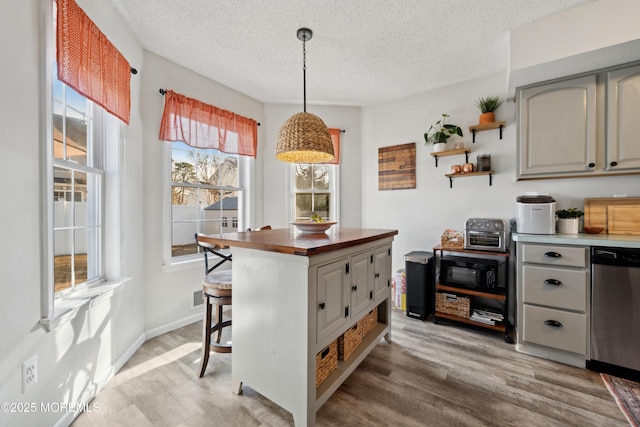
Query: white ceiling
x=362, y=51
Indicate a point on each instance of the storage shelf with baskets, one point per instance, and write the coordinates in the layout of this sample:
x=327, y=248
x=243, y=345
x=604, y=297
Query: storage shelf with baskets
x=456, y=303
x=339, y=359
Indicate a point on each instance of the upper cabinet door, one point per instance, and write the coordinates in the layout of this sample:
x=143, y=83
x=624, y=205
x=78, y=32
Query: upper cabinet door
x=557, y=128
x=623, y=119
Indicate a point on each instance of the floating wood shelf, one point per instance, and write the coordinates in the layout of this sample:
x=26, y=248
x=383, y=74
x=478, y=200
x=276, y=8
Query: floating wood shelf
x=468, y=174
x=488, y=126
x=465, y=151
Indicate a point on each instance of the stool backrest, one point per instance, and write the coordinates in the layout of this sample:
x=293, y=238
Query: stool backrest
x=208, y=248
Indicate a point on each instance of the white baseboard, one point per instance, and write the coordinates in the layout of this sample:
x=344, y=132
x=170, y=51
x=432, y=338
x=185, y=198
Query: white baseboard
x=99, y=383
x=152, y=333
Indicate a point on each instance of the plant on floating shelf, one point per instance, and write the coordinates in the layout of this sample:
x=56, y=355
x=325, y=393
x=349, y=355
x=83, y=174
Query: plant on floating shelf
x=488, y=106
x=440, y=132
x=569, y=213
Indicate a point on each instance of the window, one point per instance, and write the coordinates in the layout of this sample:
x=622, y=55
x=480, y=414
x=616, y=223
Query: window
x=205, y=194
x=76, y=162
x=315, y=191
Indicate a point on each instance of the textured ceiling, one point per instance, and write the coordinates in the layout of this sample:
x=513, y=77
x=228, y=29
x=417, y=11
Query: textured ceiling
x=362, y=51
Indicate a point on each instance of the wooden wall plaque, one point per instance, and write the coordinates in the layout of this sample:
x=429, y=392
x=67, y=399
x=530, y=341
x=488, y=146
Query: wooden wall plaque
x=397, y=167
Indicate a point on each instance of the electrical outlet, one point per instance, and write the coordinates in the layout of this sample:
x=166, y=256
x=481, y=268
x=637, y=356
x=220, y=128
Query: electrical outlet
x=29, y=373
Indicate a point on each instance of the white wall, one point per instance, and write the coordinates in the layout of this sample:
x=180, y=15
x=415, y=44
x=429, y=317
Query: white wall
x=168, y=288
x=585, y=38
x=277, y=173
x=81, y=353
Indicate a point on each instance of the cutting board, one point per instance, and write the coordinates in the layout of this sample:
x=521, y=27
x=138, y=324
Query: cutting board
x=618, y=215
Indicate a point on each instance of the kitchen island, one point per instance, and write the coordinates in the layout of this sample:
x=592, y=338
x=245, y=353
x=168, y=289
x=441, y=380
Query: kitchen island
x=294, y=294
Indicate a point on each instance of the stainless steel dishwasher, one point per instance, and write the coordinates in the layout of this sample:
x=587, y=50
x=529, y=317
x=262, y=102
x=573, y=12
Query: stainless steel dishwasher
x=615, y=311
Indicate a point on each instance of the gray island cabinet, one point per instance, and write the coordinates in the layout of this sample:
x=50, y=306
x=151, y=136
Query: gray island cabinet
x=293, y=295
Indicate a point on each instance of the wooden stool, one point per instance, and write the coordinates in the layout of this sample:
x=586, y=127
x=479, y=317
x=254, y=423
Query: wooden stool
x=216, y=289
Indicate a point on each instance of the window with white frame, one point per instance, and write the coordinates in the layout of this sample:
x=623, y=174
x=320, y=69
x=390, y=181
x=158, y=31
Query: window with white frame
x=76, y=181
x=314, y=191
x=205, y=193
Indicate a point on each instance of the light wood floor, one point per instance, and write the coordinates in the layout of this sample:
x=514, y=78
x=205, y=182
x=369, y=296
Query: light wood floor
x=430, y=375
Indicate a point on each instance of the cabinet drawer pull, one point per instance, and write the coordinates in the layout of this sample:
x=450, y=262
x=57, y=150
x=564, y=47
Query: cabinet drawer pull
x=591, y=165
x=553, y=323
x=321, y=305
x=377, y=275
x=613, y=164
x=354, y=288
x=553, y=282
x=552, y=255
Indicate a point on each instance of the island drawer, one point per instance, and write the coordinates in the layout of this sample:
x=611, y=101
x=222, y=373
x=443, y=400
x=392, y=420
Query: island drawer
x=555, y=328
x=555, y=287
x=567, y=256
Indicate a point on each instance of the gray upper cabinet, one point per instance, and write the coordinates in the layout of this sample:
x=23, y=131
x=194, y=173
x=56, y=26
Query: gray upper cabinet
x=623, y=119
x=557, y=128
x=581, y=126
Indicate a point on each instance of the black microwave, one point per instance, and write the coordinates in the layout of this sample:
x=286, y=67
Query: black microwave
x=472, y=273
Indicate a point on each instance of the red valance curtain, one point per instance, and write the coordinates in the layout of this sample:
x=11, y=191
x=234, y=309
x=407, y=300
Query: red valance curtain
x=335, y=138
x=90, y=63
x=205, y=126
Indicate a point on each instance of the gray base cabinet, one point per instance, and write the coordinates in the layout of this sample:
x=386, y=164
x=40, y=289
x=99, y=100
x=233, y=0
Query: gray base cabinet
x=553, y=299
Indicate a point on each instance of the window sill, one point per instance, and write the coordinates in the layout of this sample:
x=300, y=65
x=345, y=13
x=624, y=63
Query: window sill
x=66, y=307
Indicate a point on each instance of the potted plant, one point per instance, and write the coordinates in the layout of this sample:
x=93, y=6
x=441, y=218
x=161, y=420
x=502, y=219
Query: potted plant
x=487, y=107
x=568, y=220
x=440, y=132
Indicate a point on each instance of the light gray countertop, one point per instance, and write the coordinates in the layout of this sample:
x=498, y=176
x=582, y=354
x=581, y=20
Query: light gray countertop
x=580, y=239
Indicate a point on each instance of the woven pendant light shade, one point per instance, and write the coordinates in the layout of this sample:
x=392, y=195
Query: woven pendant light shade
x=304, y=138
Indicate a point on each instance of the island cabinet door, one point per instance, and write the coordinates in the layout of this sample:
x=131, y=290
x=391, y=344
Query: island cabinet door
x=361, y=283
x=332, y=298
x=382, y=272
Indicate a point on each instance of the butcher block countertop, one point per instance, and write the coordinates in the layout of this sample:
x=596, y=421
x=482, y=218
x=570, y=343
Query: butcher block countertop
x=291, y=241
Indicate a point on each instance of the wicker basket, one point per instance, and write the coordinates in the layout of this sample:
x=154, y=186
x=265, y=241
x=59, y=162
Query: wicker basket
x=453, y=304
x=369, y=321
x=326, y=362
x=452, y=239
x=348, y=341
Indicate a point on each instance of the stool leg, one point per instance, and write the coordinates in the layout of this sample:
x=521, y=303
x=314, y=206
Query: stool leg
x=206, y=336
x=218, y=322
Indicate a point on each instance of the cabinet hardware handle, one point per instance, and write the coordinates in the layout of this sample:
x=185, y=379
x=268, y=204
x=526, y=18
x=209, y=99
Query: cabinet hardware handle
x=377, y=275
x=347, y=267
x=370, y=294
x=553, y=282
x=354, y=288
x=321, y=305
x=553, y=323
x=346, y=311
x=552, y=254
x=613, y=163
x=591, y=165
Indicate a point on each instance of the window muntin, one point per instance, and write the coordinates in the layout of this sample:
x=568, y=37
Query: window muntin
x=205, y=195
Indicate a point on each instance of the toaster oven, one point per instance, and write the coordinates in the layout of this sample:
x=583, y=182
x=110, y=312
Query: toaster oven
x=486, y=234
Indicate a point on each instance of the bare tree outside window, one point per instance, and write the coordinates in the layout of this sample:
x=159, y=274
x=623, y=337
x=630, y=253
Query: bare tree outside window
x=204, y=194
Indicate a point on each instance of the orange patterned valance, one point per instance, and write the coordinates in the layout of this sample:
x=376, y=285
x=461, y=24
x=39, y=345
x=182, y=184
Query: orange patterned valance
x=90, y=63
x=205, y=126
x=335, y=138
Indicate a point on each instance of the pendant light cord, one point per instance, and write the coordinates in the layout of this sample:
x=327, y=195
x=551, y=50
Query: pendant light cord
x=304, y=72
